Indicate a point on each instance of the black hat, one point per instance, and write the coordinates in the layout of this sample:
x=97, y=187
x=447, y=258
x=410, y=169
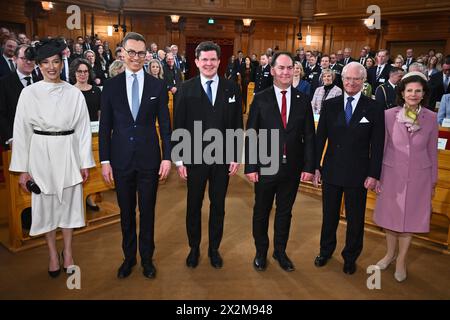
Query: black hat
x=49, y=47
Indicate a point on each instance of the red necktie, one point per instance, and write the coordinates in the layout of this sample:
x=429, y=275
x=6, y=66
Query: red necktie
x=283, y=108
x=284, y=117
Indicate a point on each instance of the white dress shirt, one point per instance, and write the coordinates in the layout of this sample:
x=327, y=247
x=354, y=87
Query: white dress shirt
x=129, y=80
x=354, y=102
x=279, y=97
x=214, y=86
x=22, y=78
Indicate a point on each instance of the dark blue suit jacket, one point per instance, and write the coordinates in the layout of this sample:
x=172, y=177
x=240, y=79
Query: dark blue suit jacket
x=4, y=67
x=121, y=138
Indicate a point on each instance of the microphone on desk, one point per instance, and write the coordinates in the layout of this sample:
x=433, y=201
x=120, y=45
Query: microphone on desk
x=33, y=187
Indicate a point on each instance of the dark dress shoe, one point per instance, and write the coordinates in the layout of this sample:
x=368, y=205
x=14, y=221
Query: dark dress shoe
x=55, y=273
x=215, y=258
x=125, y=269
x=349, y=267
x=91, y=207
x=67, y=270
x=260, y=261
x=149, y=269
x=284, y=261
x=192, y=258
x=320, y=261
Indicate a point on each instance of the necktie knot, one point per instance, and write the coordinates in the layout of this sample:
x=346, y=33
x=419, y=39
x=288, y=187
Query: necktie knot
x=283, y=92
x=28, y=79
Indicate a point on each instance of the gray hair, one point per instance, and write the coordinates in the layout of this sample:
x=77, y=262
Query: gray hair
x=417, y=66
x=328, y=71
x=357, y=65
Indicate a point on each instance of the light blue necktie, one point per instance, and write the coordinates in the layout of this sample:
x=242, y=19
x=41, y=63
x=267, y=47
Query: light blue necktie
x=209, y=91
x=348, y=110
x=135, y=97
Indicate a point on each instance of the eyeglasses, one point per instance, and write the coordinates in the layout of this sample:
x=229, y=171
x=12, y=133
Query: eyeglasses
x=349, y=79
x=82, y=71
x=25, y=59
x=132, y=53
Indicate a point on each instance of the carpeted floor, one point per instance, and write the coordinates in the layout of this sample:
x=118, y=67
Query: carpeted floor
x=24, y=275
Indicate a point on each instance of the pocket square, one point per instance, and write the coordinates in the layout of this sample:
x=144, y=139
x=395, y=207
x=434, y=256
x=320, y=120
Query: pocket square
x=231, y=100
x=152, y=98
x=364, y=120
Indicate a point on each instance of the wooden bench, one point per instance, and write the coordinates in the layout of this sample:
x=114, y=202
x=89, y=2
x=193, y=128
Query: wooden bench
x=16, y=200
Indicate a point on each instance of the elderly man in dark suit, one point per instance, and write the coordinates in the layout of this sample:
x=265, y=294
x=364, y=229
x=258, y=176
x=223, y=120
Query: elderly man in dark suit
x=212, y=102
x=286, y=110
x=130, y=152
x=353, y=124
x=10, y=88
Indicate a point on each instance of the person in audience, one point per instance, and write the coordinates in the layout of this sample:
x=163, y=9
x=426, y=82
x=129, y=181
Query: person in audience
x=230, y=66
x=99, y=76
x=353, y=125
x=440, y=83
x=298, y=82
x=101, y=60
x=115, y=68
x=370, y=62
x=409, y=171
x=385, y=93
x=399, y=62
x=119, y=54
x=51, y=127
x=432, y=67
x=156, y=69
x=247, y=76
x=327, y=91
x=444, y=108
x=82, y=75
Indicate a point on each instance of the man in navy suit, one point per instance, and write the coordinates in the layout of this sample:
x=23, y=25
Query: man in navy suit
x=130, y=151
x=353, y=124
x=7, y=64
x=379, y=74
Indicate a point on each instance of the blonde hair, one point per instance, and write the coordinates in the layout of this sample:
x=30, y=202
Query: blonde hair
x=114, y=68
x=302, y=72
x=161, y=71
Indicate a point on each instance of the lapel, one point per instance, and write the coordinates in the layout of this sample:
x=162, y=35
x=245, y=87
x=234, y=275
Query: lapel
x=340, y=113
x=294, y=110
x=360, y=111
x=123, y=85
x=17, y=83
x=274, y=108
x=220, y=95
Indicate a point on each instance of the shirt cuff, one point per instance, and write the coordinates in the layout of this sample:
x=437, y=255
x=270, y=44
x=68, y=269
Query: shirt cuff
x=178, y=163
x=9, y=141
x=104, y=162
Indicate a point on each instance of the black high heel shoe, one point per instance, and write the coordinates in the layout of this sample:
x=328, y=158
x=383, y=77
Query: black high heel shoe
x=71, y=271
x=55, y=273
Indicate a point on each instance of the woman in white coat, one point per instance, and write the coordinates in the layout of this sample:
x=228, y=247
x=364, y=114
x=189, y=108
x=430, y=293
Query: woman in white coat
x=52, y=147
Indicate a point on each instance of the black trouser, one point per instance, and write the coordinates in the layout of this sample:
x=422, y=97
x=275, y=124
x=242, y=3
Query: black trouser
x=145, y=183
x=198, y=175
x=285, y=188
x=355, y=208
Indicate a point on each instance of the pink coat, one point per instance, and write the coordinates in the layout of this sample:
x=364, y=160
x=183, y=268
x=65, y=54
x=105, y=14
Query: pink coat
x=408, y=174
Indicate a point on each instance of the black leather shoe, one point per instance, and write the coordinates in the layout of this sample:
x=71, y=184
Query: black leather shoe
x=192, y=258
x=55, y=273
x=91, y=207
x=260, y=261
x=149, y=269
x=125, y=269
x=349, y=267
x=215, y=258
x=284, y=261
x=320, y=261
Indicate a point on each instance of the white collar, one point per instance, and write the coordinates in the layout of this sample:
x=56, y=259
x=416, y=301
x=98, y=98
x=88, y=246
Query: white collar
x=21, y=75
x=355, y=97
x=128, y=72
x=203, y=79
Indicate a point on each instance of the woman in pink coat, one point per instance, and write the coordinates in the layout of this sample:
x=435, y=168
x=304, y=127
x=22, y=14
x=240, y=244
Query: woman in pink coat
x=409, y=171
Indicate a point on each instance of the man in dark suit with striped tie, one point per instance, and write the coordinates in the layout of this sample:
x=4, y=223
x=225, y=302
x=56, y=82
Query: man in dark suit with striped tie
x=353, y=124
x=130, y=151
x=10, y=88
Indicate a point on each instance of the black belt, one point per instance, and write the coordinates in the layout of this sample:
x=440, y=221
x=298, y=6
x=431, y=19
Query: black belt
x=54, y=133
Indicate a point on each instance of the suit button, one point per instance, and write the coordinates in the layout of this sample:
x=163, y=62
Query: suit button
x=131, y=138
x=134, y=126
